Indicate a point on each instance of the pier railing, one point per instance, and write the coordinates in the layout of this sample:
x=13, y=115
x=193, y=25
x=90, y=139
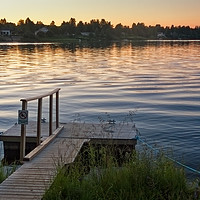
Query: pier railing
x=39, y=117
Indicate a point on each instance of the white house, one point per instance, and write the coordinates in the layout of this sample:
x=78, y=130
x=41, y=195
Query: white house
x=87, y=33
x=5, y=32
x=43, y=30
x=161, y=36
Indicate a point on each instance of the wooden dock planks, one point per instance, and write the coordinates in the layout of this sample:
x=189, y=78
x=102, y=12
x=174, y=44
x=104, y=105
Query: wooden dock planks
x=102, y=131
x=34, y=177
x=13, y=134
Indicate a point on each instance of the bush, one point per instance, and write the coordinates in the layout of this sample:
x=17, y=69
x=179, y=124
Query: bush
x=141, y=176
x=6, y=171
x=2, y=174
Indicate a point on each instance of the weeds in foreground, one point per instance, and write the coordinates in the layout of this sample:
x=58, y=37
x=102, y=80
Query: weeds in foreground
x=6, y=171
x=97, y=174
x=2, y=174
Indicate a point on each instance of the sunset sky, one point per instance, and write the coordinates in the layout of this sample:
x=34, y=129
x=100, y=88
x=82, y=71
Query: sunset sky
x=150, y=12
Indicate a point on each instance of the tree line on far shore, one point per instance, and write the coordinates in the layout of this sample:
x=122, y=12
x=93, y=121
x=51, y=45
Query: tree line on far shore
x=98, y=29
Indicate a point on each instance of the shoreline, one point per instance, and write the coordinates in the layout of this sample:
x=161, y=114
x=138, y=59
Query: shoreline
x=78, y=40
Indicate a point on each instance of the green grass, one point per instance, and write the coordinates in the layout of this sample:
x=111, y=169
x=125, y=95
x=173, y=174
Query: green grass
x=2, y=174
x=6, y=171
x=97, y=174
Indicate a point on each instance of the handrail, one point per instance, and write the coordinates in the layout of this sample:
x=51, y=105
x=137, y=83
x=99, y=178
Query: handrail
x=39, y=117
x=41, y=96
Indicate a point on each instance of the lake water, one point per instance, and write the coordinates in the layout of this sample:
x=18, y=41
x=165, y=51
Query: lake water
x=159, y=80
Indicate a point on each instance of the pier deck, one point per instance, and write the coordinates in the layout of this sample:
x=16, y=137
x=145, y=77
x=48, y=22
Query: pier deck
x=35, y=176
x=11, y=139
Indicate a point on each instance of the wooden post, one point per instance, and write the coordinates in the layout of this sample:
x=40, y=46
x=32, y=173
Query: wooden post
x=39, y=117
x=23, y=134
x=50, y=114
x=57, y=109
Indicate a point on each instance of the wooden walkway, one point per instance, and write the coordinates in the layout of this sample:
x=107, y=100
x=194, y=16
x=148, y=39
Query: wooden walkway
x=34, y=177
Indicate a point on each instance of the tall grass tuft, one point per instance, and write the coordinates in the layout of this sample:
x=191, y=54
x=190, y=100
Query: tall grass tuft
x=97, y=175
x=6, y=170
x=2, y=174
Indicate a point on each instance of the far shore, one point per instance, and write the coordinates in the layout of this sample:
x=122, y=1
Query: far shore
x=78, y=40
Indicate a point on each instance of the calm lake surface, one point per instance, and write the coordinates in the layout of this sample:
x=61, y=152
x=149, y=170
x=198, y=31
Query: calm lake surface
x=160, y=80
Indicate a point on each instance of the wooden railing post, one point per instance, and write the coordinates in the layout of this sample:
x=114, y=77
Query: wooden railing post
x=23, y=134
x=39, y=117
x=57, y=109
x=50, y=114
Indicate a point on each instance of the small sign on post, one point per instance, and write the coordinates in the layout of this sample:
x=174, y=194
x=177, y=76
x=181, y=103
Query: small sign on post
x=22, y=116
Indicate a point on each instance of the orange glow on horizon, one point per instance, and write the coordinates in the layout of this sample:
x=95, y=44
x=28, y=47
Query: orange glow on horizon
x=149, y=12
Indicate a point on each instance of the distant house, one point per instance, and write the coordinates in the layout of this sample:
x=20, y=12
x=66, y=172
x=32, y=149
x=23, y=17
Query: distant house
x=87, y=33
x=5, y=32
x=161, y=36
x=42, y=30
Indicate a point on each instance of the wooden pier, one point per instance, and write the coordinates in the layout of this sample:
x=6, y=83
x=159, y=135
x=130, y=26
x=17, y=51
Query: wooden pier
x=12, y=138
x=55, y=150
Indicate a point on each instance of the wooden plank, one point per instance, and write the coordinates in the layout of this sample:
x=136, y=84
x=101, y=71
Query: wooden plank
x=57, y=109
x=22, y=191
x=107, y=131
x=40, y=147
x=33, y=176
x=23, y=134
x=25, y=187
x=26, y=182
x=14, y=197
x=29, y=185
x=31, y=129
x=50, y=114
x=39, y=117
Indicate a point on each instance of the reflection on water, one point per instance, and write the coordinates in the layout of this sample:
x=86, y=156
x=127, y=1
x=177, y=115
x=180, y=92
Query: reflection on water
x=159, y=79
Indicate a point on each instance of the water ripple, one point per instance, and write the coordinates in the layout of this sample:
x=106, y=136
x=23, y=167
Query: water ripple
x=158, y=80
